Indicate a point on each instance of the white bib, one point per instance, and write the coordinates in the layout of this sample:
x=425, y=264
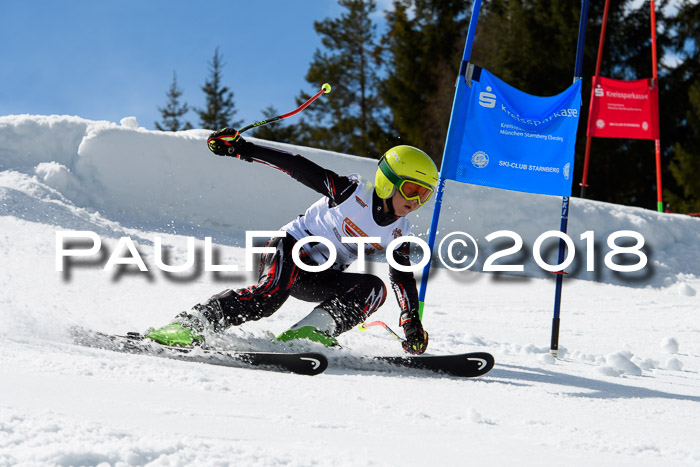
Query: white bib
x=351, y=218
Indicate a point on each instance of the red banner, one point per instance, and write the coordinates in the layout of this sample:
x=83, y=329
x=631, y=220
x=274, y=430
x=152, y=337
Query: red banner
x=624, y=109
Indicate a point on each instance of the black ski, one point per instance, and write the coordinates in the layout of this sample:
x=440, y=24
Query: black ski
x=466, y=365
x=304, y=363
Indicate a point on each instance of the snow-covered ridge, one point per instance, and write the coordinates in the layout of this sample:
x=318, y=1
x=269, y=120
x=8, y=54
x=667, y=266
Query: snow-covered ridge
x=170, y=182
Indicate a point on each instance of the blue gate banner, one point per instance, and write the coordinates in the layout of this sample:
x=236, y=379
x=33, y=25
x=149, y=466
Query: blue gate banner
x=504, y=138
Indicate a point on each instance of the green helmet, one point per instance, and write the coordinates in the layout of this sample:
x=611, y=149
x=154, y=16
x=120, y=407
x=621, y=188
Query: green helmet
x=409, y=170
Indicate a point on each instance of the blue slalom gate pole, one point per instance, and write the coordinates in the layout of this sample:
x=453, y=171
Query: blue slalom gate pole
x=578, y=72
x=461, y=82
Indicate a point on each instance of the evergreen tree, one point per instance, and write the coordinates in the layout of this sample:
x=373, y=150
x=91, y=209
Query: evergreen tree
x=220, y=108
x=173, y=111
x=531, y=44
x=626, y=171
x=350, y=118
x=423, y=49
x=685, y=165
x=684, y=116
x=277, y=131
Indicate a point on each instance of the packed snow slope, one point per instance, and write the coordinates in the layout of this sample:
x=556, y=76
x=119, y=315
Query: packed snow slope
x=625, y=390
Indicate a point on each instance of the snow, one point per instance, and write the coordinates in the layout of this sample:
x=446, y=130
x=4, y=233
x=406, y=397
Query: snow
x=625, y=389
x=670, y=345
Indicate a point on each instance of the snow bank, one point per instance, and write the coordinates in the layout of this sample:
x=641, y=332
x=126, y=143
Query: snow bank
x=166, y=181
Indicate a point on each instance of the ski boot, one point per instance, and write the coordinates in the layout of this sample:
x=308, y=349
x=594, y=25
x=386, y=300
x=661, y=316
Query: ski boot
x=188, y=328
x=318, y=326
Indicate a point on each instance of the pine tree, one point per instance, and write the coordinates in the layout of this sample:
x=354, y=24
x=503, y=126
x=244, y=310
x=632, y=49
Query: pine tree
x=173, y=111
x=423, y=49
x=532, y=45
x=683, y=117
x=220, y=107
x=685, y=165
x=278, y=131
x=350, y=118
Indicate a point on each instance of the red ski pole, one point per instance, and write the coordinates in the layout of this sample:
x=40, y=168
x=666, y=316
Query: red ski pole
x=325, y=89
x=364, y=326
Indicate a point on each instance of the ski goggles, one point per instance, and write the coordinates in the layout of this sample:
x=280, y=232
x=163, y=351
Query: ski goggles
x=409, y=188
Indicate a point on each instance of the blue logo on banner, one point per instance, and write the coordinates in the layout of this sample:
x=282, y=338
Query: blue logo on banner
x=504, y=138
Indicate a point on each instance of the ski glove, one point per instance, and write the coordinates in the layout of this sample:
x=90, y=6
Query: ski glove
x=228, y=142
x=416, y=338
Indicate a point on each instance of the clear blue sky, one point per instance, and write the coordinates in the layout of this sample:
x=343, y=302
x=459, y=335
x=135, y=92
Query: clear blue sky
x=105, y=60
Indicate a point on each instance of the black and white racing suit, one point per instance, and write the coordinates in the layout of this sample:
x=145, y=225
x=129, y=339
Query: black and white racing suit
x=348, y=297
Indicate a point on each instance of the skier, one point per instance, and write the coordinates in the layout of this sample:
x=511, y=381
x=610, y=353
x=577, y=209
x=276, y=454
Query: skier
x=350, y=207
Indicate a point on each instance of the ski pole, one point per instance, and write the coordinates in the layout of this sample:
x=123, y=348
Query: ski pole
x=365, y=326
x=325, y=89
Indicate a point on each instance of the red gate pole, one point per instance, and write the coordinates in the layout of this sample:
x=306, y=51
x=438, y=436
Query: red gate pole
x=657, y=143
x=584, y=180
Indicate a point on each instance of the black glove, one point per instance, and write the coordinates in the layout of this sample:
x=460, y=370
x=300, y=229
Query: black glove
x=228, y=142
x=416, y=338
